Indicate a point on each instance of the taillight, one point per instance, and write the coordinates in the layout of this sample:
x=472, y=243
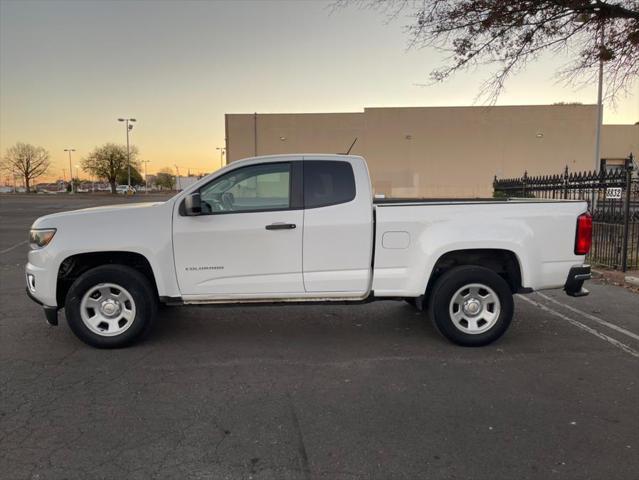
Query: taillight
x=583, y=239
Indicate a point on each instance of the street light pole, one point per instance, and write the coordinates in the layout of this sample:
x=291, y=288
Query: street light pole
x=222, y=152
x=70, y=167
x=599, y=101
x=128, y=148
x=177, y=169
x=146, y=180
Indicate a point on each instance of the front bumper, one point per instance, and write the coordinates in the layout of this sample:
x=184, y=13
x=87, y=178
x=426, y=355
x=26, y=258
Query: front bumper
x=44, y=276
x=50, y=313
x=575, y=281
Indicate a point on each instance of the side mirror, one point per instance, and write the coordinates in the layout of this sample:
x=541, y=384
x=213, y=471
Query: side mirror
x=193, y=205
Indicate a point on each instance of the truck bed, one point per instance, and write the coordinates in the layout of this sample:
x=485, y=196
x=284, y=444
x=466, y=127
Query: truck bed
x=448, y=201
x=412, y=200
x=408, y=240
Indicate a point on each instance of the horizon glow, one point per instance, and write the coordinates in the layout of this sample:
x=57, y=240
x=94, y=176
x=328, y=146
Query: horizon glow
x=69, y=70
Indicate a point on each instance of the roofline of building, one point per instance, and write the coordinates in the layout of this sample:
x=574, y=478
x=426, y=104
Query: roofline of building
x=416, y=107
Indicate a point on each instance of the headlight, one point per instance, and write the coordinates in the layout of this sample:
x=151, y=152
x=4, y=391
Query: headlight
x=40, y=238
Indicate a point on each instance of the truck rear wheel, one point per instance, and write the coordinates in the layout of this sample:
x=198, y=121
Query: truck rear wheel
x=471, y=305
x=110, y=306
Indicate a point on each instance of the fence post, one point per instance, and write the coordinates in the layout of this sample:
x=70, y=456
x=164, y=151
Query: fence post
x=524, y=181
x=566, y=182
x=626, y=214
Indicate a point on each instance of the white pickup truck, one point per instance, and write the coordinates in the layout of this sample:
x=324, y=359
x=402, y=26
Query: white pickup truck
x=303, y=228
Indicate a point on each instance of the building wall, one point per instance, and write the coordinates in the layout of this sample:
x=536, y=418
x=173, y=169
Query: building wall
x=618, y=141
x=182, y=181
x=291, y=133
x=437, y=151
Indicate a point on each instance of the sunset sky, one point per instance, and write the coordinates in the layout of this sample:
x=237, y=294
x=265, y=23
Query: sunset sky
x=68, y=70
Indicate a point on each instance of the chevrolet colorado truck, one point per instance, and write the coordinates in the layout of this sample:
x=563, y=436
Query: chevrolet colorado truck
x=303, y=229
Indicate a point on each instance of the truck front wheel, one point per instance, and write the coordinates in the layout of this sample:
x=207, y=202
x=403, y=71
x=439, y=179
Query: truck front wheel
x=110, y=306
x=471, y=305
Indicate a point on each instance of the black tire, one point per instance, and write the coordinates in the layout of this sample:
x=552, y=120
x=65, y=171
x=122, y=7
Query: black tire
x=136, y=285
x=452, y=282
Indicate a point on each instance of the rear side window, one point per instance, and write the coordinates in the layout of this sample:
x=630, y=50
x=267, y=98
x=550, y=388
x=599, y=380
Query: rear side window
x=327, y=183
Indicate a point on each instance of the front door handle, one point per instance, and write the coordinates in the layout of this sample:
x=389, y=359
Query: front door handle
x=281, y=226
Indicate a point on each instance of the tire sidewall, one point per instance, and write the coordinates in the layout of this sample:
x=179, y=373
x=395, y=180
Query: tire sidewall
x=449, y=284
x=130, y=279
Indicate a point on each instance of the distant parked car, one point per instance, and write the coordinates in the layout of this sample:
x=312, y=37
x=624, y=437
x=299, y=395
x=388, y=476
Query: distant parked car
x=6, y=189
x=125, y=190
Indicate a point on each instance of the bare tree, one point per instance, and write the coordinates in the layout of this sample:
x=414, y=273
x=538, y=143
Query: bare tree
x=165, y=178
x=512, y=33
x=27, y=161
x=108, y=161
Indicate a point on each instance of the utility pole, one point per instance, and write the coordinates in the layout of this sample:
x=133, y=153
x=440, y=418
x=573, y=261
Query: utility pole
x=599, y=113
x=129, y=127
x=222, y=153
x=70, y=166
x=177, y=177
x=599, y=100
x=146, y=180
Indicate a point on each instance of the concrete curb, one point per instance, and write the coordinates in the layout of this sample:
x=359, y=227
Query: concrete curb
x=615, y=277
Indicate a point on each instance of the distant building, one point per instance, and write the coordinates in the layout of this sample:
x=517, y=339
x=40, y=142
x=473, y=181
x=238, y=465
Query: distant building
x=440, y=151
x=182, y=182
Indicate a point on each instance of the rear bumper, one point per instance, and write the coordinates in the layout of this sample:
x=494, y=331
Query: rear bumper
x=50, y=313
x=575, y=281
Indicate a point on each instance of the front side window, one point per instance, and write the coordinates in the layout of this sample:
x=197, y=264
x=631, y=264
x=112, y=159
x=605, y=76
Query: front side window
x=249, y=189
x=327, y=183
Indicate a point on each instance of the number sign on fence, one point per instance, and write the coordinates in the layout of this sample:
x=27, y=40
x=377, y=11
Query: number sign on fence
x=613, y=193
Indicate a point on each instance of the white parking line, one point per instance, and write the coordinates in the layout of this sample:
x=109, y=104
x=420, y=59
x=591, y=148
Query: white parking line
x=592, y=317
x=586, y=328
x=13, y=246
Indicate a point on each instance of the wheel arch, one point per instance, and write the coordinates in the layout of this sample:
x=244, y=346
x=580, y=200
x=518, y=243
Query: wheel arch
x=504, y=262
x=75, y=265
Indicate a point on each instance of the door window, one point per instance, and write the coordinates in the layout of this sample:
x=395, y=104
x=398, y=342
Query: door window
x=327, y=183
x=249, y=189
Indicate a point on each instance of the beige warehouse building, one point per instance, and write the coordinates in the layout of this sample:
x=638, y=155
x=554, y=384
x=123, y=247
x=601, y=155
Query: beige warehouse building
x=440, y=151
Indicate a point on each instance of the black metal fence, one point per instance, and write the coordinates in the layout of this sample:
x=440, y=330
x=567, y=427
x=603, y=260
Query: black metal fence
x=613, y=199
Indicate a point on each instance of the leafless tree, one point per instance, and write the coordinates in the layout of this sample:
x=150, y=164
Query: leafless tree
x=27, y=161
x=510, y=33
x=165, y=178
x=108, y=161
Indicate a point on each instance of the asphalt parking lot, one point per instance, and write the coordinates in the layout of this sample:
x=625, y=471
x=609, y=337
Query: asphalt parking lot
x=322, y=392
